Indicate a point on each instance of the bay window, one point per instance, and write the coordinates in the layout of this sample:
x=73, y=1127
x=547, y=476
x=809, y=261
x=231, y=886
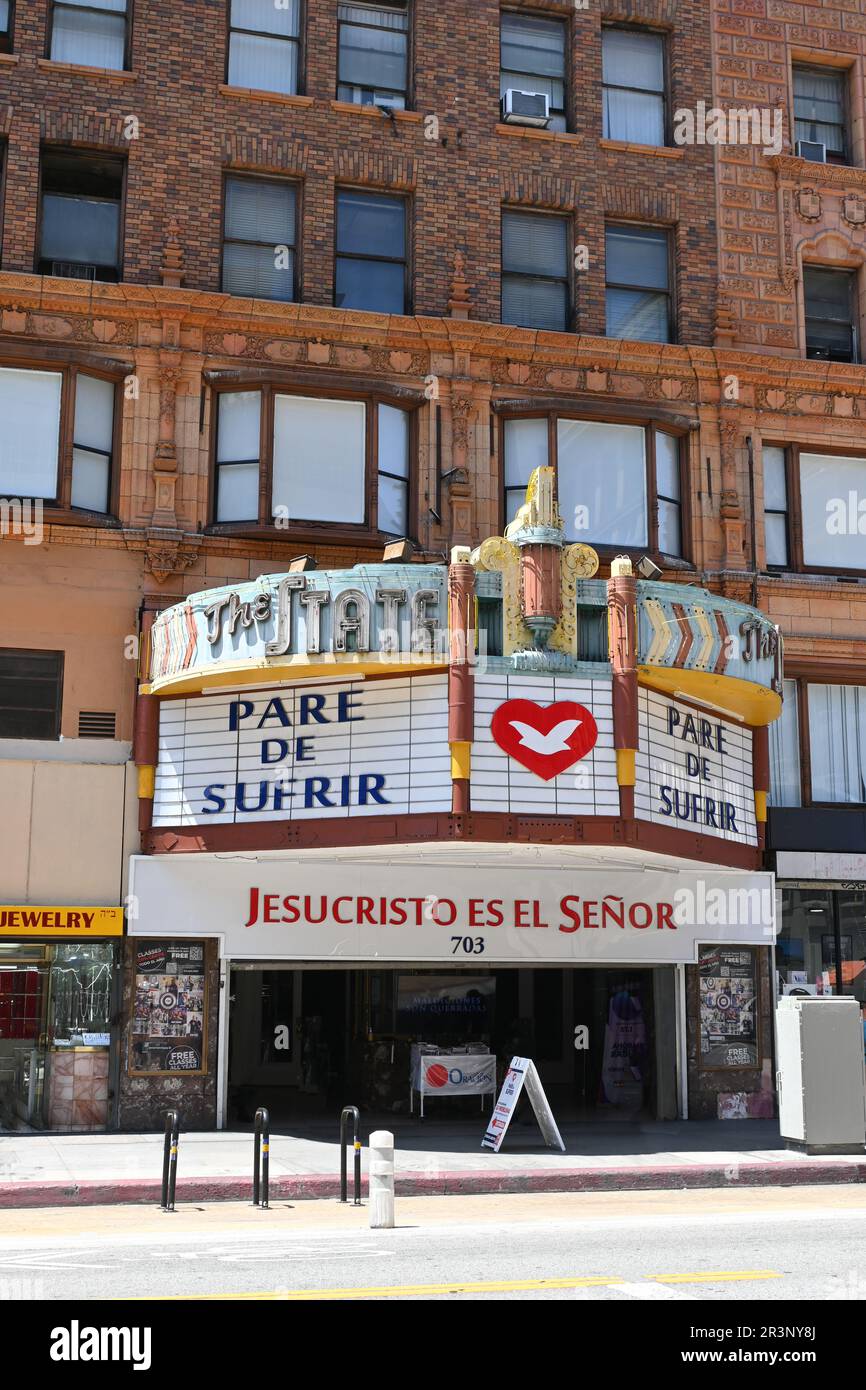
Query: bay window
x=837, y=742
x=829, y=723
x=92, y=33
x=264, y=45
x=372, y=49
x=617, y=484
x=289, y=460
x=815, y=509
x=43, y=456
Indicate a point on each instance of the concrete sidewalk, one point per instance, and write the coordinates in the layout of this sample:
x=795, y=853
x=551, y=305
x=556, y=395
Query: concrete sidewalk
x=436, y=1157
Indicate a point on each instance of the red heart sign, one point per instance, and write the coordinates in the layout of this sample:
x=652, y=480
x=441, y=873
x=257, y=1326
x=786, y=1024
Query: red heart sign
x=545, y=738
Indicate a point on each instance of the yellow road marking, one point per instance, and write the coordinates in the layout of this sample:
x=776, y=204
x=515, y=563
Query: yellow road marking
x=410, y=1290
x=710, y=1276
x=492, y=1286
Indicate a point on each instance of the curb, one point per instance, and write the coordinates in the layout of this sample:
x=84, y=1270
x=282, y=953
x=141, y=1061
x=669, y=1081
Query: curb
x=316, y=1186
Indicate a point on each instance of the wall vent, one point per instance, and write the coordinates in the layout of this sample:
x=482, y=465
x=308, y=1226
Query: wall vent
x=96, y=724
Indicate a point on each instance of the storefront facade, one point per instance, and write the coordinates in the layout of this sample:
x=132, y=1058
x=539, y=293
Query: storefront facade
x=495, y=806
x=59, y=1007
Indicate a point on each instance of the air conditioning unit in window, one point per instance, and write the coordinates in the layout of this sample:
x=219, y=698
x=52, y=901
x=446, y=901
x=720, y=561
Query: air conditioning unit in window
x=812, y=149
x=525, y=108
x=73, y=270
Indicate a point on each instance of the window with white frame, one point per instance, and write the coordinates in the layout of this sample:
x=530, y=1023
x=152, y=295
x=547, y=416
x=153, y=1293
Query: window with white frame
x=606, y=476
x=373, y=54
x=535, y=288
x=32, y=443
x=532, y=59
x=264, y=45
x=633, y=85
x=92, y=33
x=837, y=743
x=259, y=238
x=321, y=463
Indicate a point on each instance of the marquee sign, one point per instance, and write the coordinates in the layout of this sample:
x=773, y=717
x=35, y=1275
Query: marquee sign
x=694, y=770
x=349, y=906
x=294, y=753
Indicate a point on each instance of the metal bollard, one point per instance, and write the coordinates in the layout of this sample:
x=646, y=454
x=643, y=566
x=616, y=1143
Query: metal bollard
x=261, y=1158
x=381, y=1180
x=356, y=1117
x=169, y=1159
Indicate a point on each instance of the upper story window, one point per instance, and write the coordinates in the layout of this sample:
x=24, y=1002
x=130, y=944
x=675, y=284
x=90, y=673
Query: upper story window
x=776, y=522
x=90, y=32
x=815, y=509
x=373, y=54
x=616, y=484
x=829, y=723
x=371, y=262
x=831, y=319
x=535, y=284
x=821, y=113
x=638, y=293
x=290, y=460
x=81, y=216
x=31, y=693
x=260, y=238
x=633, y=78
x=5, y=26
x=264, y=45
x=57, y=440
x=532, y=59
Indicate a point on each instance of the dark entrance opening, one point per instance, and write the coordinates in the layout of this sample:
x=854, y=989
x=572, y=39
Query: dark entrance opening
x=306, y=1041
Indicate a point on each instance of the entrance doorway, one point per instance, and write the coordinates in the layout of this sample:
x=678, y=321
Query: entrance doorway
x=305, y=1041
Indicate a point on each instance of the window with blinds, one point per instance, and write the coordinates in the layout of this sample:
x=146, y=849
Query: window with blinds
x=535, y=284
x=820, y=109
x=638, y=297
x=372, y=54
x=259, y=254
x=92, y=33
x=370, y=270
x=532, y=59
x=633, y=86
x=264, y=45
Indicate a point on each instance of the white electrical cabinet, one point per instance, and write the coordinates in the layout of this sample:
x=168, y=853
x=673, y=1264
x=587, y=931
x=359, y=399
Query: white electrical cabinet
x=820, y=1078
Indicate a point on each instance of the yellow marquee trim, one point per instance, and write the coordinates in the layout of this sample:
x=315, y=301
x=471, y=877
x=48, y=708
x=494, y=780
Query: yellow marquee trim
x=291, y=668
x=754, y=705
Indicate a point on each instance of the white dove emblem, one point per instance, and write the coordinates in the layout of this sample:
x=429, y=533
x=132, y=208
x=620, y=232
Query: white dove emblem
x=546, y=744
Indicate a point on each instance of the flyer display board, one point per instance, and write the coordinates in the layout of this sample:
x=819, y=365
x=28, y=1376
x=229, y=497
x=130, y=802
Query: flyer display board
x=522, y=1072
x=168, y=1028
x=452, y=1074
x=729, y=1011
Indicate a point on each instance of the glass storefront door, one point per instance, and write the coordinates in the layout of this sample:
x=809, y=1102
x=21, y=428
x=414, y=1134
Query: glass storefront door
x=55, y=1034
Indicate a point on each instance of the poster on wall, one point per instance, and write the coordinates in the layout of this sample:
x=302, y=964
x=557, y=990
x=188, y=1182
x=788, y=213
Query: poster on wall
x=168, y=1027
x=626, y=1049
x=729, y=1010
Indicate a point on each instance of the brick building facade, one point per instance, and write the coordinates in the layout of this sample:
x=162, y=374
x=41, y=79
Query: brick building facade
x=735, y=381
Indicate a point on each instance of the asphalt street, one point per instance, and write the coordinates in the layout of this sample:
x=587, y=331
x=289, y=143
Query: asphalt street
x=767, y=1245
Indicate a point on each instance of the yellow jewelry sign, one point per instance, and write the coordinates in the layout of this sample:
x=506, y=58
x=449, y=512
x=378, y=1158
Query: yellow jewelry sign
x=70, y=922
